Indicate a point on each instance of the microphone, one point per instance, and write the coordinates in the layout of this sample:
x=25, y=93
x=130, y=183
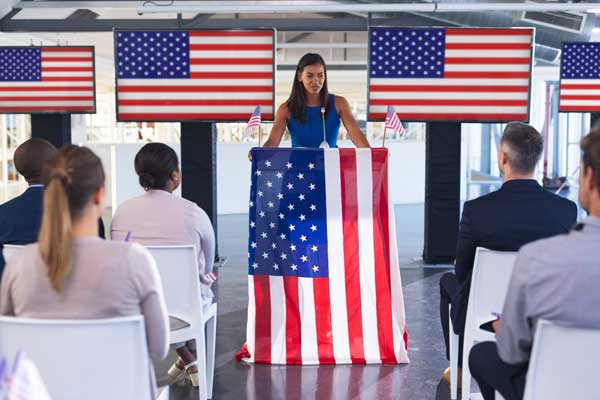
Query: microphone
x=324, y=144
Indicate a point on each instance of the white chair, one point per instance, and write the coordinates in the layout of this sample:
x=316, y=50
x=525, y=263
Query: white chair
x=9, y=250
x=178, y=269
x=563, y=363
x=94, y=359
x=489, y=284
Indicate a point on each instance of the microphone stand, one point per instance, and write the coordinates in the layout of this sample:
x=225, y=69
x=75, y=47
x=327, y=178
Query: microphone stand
x=324, y=144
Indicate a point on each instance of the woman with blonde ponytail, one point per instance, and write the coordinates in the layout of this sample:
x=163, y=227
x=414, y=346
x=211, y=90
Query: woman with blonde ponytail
x=71, y=273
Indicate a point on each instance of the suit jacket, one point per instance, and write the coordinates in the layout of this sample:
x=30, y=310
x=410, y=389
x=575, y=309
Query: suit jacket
x=521, y=211
x=21, y=218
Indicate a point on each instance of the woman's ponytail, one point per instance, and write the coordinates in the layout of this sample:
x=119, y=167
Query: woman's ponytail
x=71, y=178
x=56, y=237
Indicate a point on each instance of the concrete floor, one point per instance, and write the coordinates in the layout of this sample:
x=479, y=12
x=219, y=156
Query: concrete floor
x=418, y=380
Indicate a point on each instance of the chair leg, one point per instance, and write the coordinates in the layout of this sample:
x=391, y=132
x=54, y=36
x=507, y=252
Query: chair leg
x=466, y=373
x=453, y=363
x=201, y=357
x=211, y=339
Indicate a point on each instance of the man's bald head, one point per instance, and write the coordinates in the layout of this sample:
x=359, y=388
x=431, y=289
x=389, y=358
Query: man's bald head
x=31, y=156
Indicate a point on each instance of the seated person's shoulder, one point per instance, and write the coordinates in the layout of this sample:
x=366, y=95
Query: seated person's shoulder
x=547, y=251
x=129, y=252
x=482, y=203
x=560, y=201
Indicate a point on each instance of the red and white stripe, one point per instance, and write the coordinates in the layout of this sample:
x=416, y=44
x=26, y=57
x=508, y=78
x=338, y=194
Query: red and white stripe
x=231, y=73
x=581, y=95
x=486, y=78
x=67, y=84
x=253, y=121
x=356, y=315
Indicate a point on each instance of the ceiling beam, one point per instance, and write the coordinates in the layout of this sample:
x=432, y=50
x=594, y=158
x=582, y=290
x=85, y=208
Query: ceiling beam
x=106, y=25
x=203, y=21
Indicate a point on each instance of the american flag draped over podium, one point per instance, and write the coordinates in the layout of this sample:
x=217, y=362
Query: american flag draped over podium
x=208, y=75
x=450, y=74
x=323, y=276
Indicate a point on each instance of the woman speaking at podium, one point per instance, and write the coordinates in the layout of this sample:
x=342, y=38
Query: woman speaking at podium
x=311, y=113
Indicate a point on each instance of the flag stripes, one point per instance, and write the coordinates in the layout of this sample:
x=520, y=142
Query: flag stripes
x=355, y=314
x=455, y=74
x=221, y=75
x=47, y=79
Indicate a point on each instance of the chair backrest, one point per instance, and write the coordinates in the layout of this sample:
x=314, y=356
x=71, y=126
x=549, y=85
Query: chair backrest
x=83, y=359
x=178, y=269
x=8, y=250
x=563, y=363
x=489, y=283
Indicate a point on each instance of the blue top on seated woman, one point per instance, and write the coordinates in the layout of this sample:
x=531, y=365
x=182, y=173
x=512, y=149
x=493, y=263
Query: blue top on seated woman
x=310, y=134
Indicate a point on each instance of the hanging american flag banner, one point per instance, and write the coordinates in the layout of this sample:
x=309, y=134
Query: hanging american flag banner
x=580, y=77
x=210, y=75
x=450, y=74
x=47, y=79
x=323, y=277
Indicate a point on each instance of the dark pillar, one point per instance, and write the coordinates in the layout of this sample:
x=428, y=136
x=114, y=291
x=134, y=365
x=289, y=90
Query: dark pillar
x=594, y=117
x=55, y=128
x=199, y=167
x=442, y=191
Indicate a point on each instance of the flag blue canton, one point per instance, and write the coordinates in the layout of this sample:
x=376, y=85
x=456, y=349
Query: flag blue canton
x=407, y=53
x=288, y=216
x=20, y=64
x=580, y=61
x=152, y=55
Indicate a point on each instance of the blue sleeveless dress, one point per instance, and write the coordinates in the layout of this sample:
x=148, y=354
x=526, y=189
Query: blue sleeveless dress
x=310, y=134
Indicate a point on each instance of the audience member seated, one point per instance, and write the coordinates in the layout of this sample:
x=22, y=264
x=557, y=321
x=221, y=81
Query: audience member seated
x=71, y=273
x=159, y=218
x=21, y=217
x=554, y=279
x=520, y=212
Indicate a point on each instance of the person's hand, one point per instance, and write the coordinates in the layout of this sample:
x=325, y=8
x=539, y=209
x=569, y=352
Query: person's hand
x=496, y=325
x=249, y=155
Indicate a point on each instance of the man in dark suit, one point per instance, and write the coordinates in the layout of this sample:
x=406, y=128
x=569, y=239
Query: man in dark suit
x=520, y=212
x=21, y=217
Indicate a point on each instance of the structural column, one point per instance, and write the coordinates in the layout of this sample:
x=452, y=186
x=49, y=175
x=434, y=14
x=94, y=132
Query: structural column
x=442, y=191
x=199, y=167
x=55, y=128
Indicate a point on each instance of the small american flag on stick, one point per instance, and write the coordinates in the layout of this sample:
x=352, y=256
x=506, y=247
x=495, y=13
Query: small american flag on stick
x=393, y=122
x=254, y=119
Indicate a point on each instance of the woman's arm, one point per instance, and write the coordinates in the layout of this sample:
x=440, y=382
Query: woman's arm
x=343, y=108
x=281, y=118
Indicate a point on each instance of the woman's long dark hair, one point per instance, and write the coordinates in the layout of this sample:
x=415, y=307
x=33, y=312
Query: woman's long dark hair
x=296, y=103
